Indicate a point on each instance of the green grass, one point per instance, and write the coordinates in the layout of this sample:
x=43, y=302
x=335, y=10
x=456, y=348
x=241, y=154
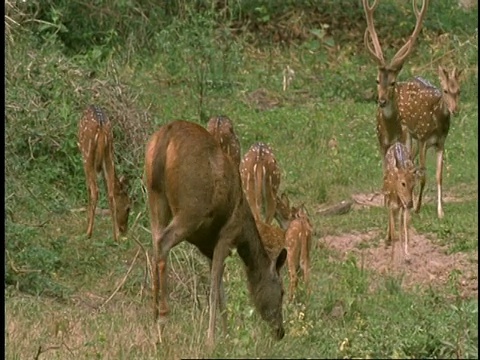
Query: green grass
x=57, y=280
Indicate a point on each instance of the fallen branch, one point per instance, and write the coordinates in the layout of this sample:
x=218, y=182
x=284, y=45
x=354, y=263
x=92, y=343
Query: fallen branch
x=338, y=209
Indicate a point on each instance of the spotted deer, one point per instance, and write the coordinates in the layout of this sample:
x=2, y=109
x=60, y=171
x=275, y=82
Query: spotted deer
x=284, y=213
x=425, y=112
x=197, y=196
x=400, y=176
x=273, y=238
x=389, y=129
x=221, y=127
x=95, y=141
x=298, y=242
x=260, y=180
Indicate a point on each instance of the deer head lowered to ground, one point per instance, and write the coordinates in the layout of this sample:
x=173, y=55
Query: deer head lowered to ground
x=195, y=195
x=425, y=113
x=389, y=129
x=95, y=141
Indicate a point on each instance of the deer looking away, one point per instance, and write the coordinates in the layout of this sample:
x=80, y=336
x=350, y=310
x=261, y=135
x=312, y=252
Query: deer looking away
x=298, y=242
x=260, y=180
x=425, y=112
x=399, y=179
x=221, y=128
x=389, y=129
x=95, y=141
x=197, y=196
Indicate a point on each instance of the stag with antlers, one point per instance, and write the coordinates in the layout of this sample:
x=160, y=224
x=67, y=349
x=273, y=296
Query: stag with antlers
x=389, y=129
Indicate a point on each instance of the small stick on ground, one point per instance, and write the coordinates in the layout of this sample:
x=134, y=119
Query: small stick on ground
x=123, y=280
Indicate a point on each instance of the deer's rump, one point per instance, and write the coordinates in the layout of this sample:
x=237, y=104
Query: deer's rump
x=194, y=181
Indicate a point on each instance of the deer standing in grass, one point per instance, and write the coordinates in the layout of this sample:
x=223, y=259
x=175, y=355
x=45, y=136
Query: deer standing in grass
x=425, y=112
x=221, y=127
x=195, y=195
x=298, y=237
x=389, y=129
x=95, y=141
x=400, y=176
x=260, y=179
x=298, y=242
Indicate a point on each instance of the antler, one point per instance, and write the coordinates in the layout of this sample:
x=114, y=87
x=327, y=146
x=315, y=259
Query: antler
x=406, y=49
x=376, y=51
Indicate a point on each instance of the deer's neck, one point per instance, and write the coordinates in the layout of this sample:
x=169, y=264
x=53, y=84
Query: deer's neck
x=251, y=250
x=389, y=125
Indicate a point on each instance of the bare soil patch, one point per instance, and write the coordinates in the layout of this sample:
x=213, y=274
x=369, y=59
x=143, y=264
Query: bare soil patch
x=427, y=265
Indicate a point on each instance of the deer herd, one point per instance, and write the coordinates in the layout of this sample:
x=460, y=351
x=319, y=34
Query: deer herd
x=202, y=191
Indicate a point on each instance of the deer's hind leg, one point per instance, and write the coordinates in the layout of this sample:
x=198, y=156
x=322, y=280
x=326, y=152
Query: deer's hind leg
x=160, y=215
x=109, y=175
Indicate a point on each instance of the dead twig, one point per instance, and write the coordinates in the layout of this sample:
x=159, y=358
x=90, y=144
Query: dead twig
x=147, y=261
x=123, y=280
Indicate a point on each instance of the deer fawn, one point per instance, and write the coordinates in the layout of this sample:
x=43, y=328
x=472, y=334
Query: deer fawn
x=221, y=128
x=399, y=179
x=273, y=238
x=298, y=241
x=260, y=179
x=425, y=112
x=197, y=196
x=389, y=129
x=95, y=140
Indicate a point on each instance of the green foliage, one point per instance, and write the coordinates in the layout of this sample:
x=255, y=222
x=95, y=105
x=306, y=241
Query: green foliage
x=148, y=64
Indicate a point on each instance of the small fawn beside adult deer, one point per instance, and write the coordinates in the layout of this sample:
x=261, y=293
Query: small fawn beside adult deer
x=425, y=113
x=260, y=180
x=298, y=242
x=195, y=195
x=389, y=129
x=221, y=127
x=95, y=141
x=400, y=176
x=297, y=238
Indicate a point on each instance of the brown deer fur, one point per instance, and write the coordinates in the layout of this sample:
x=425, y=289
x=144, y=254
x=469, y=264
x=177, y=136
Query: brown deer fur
x=195, y=195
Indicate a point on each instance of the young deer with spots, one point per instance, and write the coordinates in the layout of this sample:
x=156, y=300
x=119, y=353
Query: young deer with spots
x=95, y=141
x=195, y=195
x=260, y=179
x=298, y=242
x=297, y=237
x=425, y=112
x=400, y=176
x=221, y=128
x=389, y=129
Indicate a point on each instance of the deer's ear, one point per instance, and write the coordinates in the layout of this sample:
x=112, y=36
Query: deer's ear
x=124, y=181
x=442, y=72
x=280, y=260
x=457, y=72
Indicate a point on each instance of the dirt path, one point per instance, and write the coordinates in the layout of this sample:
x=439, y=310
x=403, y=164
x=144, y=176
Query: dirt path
x=428, y=263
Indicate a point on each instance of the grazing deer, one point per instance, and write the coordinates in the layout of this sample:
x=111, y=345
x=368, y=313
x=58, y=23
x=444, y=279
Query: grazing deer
x=389, y=129
x=425, y=112
x=260, y=179
x=195, y=195
x=298, y=241
x=221, y=128
x=95, y=140
x=399, y=179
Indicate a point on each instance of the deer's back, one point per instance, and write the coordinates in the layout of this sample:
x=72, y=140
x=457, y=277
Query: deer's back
x=194, y=178
x=94, y=134
x=420, y=107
